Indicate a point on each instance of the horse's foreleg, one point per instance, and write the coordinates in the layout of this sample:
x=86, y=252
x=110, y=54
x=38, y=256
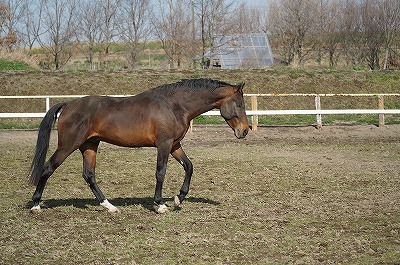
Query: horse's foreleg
x=89, y=151
x=162, y=160
x=181, y=157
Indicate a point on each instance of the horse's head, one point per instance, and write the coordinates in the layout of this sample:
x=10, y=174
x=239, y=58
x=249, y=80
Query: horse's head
x=234, y=112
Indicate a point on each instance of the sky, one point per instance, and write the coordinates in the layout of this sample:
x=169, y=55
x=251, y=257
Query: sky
x=262, y=3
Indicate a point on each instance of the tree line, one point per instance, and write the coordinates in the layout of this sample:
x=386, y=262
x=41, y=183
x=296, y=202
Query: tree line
x=185, y=29
x=360, y=32
x=353, y=32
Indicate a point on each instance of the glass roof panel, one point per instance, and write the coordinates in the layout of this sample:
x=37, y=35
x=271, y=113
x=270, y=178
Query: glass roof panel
x=243, y=51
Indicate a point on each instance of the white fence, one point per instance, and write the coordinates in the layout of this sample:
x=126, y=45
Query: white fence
x=254, y=112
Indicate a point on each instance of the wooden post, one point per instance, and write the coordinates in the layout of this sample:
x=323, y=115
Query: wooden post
x=191, y=127
x=254, y=118
x=47, y=104
x=381, y=117
x=318, y=107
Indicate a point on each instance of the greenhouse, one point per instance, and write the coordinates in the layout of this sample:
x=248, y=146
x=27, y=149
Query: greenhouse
x=240, y=51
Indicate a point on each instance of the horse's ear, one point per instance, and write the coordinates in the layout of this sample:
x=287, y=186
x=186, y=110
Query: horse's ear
x=240, y=87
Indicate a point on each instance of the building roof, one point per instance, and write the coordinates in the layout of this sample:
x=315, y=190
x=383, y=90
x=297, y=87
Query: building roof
x=241, y=51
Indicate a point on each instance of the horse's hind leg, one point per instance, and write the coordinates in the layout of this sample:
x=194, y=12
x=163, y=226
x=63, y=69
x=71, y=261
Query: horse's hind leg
x=181, y=157
x=89, y=151
x=50, y=166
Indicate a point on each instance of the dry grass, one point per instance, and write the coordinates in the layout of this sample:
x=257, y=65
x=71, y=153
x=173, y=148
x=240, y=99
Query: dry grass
x=19, y=55
x=280, y=80
x=281, y=196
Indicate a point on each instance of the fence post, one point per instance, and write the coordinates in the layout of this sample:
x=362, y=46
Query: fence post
x=191, y=127
x=318, y=107
x=254, y=118
x=381, y=116
x=47, y=104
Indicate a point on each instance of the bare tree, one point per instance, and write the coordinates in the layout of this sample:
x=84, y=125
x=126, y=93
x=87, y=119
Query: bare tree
x=333, y=34
x=59, y=18
x=391, y=26
x=247, y=19
x=108, y=25
x=292, y=22
x=135, y=27
x=30, y=27
x=352, y=40
x=171, y=28
x=90, y=17
x=327, y=32
x=368, y=27
x=281, y=39
x=304, y=29
x=372, y=21
x=215, y=21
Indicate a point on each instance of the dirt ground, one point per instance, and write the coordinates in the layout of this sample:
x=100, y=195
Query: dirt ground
x=216, y=134
x=302, y=133
x=273, y=138
x=282, y=195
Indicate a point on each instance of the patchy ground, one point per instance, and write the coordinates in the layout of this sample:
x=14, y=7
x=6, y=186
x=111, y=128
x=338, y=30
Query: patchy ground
x=283, y=195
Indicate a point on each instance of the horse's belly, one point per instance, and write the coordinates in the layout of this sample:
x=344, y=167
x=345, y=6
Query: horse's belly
x=128, y=136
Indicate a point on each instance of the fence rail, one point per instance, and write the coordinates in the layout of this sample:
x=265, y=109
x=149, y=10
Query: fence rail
x=254, y=112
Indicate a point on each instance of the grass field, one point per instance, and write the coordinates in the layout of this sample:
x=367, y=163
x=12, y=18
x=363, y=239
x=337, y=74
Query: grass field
x=285, y=195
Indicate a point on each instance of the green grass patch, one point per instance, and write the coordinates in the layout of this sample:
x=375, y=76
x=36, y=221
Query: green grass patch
x=13, y=65
x=154, y=45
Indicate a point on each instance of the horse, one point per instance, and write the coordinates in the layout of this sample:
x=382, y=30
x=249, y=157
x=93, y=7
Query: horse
x=158, y=117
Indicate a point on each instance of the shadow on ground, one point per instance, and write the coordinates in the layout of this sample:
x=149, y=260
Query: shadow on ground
x=145, y=202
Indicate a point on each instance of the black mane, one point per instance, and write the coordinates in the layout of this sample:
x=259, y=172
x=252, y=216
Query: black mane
x=191, y=85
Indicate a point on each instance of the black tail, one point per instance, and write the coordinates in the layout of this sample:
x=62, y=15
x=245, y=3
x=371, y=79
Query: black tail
x=42, y=144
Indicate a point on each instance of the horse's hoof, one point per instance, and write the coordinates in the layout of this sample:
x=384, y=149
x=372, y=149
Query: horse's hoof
x=111, y=208
x=162, y=208
x=177, y=202
x=114, y=210
x=36, y=210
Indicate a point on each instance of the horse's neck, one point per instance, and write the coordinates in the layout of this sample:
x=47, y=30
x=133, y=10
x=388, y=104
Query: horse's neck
x=198, y=103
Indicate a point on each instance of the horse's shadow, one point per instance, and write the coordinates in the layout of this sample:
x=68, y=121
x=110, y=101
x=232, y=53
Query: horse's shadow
x=145, y=202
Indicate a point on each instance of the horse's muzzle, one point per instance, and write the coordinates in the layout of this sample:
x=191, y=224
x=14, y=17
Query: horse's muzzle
x=241, y=133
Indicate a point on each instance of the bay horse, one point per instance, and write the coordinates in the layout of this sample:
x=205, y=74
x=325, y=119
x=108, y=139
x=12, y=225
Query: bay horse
x=159, y=117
